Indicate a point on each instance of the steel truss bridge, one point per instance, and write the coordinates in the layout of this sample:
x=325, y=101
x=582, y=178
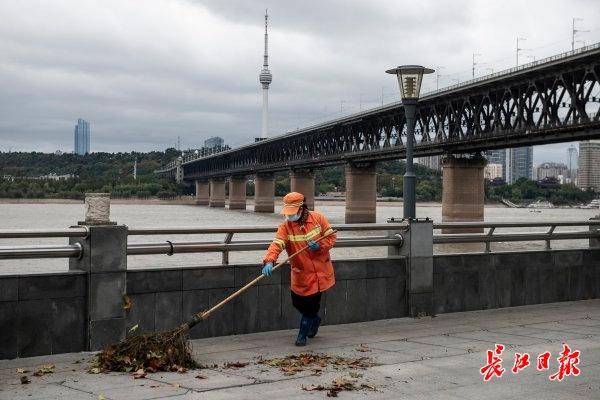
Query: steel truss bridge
x=556, y=99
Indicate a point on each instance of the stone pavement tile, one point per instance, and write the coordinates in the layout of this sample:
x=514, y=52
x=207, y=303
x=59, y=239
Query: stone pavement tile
x=149, y=390
x=39, y=392
x=508, y=391
x=539, y=333
x=453, y=342
x=560, y=326
x=501, y=338
x=213, y=379
x=581, y=321
x=420, y=350
x=56, y=359
x=93, y=383
x=226, y=356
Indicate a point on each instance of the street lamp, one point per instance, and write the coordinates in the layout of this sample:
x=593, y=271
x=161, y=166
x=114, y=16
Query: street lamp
x=409, y=79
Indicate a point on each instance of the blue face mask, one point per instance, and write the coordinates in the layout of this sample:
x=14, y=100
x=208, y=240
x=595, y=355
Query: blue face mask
x=292, y=218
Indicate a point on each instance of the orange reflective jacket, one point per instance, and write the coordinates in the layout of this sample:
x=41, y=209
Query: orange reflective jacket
x=311, y=271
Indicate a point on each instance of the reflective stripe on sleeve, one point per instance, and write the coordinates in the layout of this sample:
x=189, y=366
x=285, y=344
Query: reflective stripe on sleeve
x=280, y=243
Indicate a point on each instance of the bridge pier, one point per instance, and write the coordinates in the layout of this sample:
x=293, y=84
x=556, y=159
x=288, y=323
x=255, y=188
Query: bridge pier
x=217, y=192
x=264, y=193
x=202, y=193
x=303, y=181
x=237, y=193
x=463, y=192
x=361, y=193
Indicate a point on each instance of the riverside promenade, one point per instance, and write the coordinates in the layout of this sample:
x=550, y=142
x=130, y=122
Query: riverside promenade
x=422, y=358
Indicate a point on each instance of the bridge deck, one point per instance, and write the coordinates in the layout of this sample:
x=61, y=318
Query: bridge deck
x=429, y=358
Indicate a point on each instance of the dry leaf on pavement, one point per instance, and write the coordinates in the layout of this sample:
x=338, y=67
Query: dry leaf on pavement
x=139, y=374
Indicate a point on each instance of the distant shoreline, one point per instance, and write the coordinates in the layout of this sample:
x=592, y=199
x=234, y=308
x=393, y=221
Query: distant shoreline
x=191, y=200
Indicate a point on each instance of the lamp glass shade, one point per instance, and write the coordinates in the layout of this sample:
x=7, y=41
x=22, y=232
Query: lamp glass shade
x=409, y=79
x=410, y=84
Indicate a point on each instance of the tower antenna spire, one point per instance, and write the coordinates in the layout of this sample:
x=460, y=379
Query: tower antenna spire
x=266, y=61
x=265, y=78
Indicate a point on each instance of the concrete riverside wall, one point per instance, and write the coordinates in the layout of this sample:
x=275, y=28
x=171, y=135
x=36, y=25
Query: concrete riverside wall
x=42, y=314
x=83, y=309
x=162, y=299
x=465, y=282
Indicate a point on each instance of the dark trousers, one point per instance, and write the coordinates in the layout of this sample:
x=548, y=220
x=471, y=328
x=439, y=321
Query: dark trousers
x=307, y=305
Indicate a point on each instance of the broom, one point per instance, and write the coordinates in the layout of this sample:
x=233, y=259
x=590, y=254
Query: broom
x=170, y=350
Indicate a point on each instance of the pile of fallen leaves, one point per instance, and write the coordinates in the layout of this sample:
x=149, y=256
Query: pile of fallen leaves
x=338, y=385
x=315, y=362
x=152, y=352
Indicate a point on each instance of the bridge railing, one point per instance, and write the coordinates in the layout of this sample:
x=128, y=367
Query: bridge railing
x=228, y=245
x=424, y=96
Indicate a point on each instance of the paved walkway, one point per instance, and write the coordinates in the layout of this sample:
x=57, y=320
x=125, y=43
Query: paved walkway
x=428, y=358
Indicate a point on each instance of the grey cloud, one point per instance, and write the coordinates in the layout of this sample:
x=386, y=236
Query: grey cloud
x=145, y=72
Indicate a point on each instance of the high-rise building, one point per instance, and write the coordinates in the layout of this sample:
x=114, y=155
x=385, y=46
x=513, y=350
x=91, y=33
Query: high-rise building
x=265, y=78
x=82, y=137
x=589, y=165
x=521, y=163
x=572, y=157
x=516, y=163
x=214, y=141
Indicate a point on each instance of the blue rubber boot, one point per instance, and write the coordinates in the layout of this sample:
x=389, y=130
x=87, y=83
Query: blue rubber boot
x=314, y=327
x=303, y=331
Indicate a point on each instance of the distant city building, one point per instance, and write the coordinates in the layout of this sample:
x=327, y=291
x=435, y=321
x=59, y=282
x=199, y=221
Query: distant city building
x=519, y=164
x=516, y=163
x=55, y=177
x=82, y=137
x=572, y=162
x=589, y=165
x=433, y=162
x=550, y=170
x=58, y=153
x=492, y=171
x=214, y=141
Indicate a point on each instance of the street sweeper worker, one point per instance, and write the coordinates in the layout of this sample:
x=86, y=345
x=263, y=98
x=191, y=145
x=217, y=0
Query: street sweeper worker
x=311, y=270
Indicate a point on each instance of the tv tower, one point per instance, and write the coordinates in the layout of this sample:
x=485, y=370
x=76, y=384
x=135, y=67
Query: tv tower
x=265, y=79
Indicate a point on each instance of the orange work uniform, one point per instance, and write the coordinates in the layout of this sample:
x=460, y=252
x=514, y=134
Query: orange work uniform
x=311, y=271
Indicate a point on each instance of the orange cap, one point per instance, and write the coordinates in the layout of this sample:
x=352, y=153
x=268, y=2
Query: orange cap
x=292, y=203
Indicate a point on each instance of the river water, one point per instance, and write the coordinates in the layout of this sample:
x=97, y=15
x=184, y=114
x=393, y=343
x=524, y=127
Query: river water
x=39, y=216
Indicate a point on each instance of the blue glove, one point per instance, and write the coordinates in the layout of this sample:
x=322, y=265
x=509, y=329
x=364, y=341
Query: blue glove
x=313, y=246
x=267, y=269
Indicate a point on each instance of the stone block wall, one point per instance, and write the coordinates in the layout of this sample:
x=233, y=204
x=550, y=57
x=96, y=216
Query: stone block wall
x=162, y=299
x=465, y=282
x=42, y=314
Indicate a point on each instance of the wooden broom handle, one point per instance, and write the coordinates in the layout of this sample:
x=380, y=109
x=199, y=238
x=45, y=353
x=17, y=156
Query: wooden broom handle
x=207, y=313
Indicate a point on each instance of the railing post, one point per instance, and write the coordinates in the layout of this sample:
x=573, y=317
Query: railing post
x=418, y=249
x=105, y=261
x=595, y=242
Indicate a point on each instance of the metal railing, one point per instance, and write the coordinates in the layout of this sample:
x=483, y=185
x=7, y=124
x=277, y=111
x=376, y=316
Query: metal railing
x=168, y=247
x=41, y=251
x=228, y=245
x=492, y=236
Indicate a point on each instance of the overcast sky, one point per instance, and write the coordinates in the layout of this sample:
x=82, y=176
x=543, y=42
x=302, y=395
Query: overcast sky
x=144, y=72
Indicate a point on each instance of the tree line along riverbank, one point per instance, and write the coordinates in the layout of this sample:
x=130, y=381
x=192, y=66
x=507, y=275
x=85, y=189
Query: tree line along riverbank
x=69, y=176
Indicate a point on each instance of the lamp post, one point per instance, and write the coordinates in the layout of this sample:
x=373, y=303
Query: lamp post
x=409, y=79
